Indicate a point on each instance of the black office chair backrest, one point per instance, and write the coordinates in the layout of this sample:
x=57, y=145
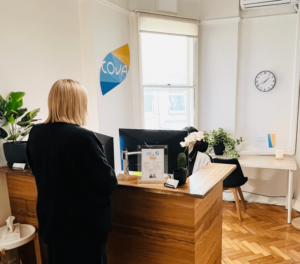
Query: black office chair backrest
x=236, y=178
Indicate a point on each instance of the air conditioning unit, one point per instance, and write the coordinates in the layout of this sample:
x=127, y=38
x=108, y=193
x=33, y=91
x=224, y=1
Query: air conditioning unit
x=255, y=4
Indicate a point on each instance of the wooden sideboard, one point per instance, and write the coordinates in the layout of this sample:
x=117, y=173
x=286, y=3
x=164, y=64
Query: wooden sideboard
x=23, y=198
x=151, y=223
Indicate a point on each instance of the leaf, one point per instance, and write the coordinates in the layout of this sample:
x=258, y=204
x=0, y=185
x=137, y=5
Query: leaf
x=3, y=104
x=20, y=112
x=34, y=120
x=10, y=121
x=15, y=101
x=181, y=160
x=23, y=123
x=14, y=137
x=9, y=113
x=3, y=133
x=3, y=119
x=25, y=133
x=30, y=115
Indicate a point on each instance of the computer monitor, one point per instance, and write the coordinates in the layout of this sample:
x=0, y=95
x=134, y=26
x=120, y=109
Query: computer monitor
x=108, y=146
x=131, y=138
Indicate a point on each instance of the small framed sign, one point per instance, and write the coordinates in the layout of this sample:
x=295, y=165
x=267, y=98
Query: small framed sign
x=152, y=165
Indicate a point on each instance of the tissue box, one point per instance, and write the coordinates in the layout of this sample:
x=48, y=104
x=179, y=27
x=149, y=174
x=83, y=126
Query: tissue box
x=9, y=236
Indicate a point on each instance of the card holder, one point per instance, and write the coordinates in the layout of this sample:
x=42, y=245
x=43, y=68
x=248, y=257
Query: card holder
x=171, y=183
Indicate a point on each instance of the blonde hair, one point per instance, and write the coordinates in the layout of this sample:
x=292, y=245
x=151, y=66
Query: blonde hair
x=67, y=102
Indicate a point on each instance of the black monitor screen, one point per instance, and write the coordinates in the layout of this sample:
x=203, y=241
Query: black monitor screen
x=108, y=146
x=131, y=138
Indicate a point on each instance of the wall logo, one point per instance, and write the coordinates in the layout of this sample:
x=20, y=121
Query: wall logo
x=271, y=140
x=114, y=69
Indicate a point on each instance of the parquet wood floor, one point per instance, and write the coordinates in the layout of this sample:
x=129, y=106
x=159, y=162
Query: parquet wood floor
x=263, y=236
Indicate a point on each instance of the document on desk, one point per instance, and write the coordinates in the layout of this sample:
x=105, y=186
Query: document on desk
x=152, y=164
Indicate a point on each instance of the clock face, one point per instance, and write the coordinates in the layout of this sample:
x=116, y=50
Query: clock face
x=265, y=81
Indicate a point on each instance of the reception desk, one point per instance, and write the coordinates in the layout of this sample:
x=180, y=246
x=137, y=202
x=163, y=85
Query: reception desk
x=155, y=224
x=151, y=223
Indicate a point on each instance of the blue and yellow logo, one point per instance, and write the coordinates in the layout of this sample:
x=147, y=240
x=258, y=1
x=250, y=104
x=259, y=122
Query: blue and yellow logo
x=271, y=140
x=114, y=69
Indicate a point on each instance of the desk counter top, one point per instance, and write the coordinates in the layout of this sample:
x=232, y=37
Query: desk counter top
x=265, y=162
x=198, y=185
x=5, y=169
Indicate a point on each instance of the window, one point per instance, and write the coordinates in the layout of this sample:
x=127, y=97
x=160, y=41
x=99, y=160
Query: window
x=168, y=80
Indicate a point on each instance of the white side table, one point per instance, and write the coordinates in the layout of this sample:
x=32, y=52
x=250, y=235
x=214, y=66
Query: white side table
x=28, y=233
x=270, y=162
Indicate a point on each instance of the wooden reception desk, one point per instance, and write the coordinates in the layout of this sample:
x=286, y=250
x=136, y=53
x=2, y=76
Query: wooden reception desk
x=151, y=223
x=159, y=225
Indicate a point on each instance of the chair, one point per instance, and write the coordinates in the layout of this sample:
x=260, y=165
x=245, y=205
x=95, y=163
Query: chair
x=234, y=181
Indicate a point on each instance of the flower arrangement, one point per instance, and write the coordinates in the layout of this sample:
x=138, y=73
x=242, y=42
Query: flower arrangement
x=189, y=143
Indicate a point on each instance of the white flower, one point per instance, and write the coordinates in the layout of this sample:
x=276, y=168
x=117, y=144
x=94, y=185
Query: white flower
x=192, y=138
x=187, y=139
x=184, y=144
x=200, y=135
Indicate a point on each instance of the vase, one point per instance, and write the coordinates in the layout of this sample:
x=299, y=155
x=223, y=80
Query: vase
x=219, y=148
x=181, y=175
x=15, y=152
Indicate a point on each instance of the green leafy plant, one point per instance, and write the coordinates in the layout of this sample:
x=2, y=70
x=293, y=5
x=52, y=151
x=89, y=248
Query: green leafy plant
x=15, y=123
x=217, y=136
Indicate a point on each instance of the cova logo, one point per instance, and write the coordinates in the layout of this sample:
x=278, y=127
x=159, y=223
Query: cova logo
x=114, y=69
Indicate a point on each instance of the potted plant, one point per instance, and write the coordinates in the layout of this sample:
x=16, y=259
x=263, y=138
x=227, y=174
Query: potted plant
x=223, y=144
x=182, y=172
x=15, y=124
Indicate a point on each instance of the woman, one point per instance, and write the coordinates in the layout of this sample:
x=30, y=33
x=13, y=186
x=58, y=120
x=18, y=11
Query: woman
x=73, y=179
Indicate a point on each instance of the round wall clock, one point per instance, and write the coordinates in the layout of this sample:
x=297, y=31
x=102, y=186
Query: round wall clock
x=265, y=81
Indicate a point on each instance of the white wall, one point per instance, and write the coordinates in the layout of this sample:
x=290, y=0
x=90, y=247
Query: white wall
x=43, y=41
x=40, y=43
x=218, y=74
x=280, y=10
x=186, y=8
x=115, y=109
x=267, y=43
x=263, y=42
x=122, y=3
x=217, y=9
x=36, y=50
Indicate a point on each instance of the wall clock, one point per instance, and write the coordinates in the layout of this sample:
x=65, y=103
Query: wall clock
x=265, y=81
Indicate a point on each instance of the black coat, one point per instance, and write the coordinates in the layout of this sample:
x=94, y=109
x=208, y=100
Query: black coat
x=74, y=182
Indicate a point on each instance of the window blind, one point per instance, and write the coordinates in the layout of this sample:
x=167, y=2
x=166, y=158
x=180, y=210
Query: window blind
x=168, y=25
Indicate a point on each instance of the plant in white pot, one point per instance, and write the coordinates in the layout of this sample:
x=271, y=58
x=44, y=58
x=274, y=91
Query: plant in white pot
x=15, y=124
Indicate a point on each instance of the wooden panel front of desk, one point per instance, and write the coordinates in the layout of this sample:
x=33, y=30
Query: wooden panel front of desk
x=158, y=228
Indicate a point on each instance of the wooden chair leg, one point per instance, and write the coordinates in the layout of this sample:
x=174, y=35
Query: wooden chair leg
x=237, y=202
x=242, y=197
x=37, y=249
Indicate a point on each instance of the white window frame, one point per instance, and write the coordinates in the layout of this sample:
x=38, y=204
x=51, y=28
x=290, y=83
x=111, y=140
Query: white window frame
x=194, y=86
